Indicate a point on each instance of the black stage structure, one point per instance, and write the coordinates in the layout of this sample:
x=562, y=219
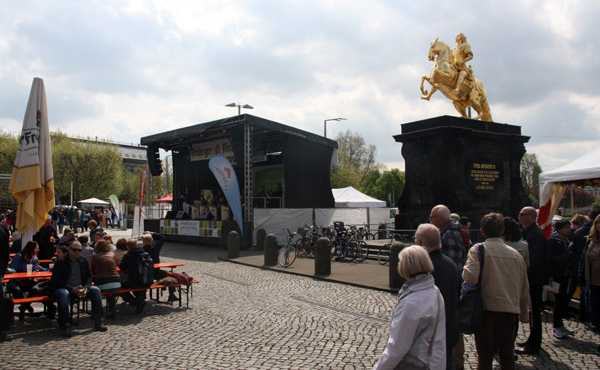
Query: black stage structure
x=277, y=166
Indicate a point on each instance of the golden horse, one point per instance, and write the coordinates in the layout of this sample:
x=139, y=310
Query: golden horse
x=444, y=77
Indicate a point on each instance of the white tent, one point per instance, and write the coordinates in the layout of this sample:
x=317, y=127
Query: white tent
x=552, y=187
x=351, y=198
x=93, y=202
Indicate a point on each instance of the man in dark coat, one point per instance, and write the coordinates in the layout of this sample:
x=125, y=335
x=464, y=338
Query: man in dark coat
x=558, y=262
x=71, y=277
x=45, y=238
x=537, y=277
x=446, y=279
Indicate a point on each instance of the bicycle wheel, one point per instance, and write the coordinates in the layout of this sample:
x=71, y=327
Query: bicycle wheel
x=281, y=256
x=360, y=252
x=290, y=256
x=349, y=252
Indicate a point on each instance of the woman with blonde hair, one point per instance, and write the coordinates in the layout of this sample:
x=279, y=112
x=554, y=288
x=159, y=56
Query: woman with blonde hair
x=417, y=338
x=592, y=270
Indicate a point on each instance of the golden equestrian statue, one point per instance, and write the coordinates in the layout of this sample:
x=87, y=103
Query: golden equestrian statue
x=455, y=79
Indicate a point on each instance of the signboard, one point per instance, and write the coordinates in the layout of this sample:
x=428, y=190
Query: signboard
x=484, y=176
x=200, y=228
x=204, y=151
x=188, y=227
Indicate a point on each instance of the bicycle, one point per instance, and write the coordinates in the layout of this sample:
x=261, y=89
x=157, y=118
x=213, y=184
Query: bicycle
x=287, y=253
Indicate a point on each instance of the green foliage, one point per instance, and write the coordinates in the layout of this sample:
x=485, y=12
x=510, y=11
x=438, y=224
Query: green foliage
x=530, y=172
x=355, y=160
x=385, y=185
x=8, y=150
x=94, y=169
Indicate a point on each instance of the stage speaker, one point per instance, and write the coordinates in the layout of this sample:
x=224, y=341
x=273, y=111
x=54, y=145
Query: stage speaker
x=154, y=162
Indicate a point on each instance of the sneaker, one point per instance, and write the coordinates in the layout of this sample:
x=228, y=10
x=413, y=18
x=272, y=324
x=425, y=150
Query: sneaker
x=559, y=333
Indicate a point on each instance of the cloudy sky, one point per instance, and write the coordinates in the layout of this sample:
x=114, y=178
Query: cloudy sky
x=126, y=69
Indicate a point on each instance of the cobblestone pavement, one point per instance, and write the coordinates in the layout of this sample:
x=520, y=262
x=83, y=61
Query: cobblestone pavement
x=248, y=318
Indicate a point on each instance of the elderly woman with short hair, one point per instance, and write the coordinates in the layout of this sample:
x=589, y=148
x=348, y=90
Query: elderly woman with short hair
x=417, y=329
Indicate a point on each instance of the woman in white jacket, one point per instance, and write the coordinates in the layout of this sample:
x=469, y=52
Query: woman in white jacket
x=418, y=324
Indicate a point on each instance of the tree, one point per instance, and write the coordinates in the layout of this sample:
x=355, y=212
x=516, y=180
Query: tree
x=8, y=151
x=530, y=172
x=386, y=185
x=96, y=170
x=355, y=160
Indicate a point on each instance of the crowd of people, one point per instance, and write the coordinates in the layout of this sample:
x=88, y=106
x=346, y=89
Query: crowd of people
x=509, y=267
x=83, y=267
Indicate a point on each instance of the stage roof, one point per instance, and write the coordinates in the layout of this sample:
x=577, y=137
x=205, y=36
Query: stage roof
x=170, y=139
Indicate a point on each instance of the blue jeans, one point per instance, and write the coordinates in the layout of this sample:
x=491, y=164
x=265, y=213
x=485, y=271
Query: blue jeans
x=63, y=299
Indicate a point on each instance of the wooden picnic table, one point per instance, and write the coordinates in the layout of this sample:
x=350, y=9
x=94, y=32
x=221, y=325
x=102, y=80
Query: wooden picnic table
x=26, y=275
x=48, y=274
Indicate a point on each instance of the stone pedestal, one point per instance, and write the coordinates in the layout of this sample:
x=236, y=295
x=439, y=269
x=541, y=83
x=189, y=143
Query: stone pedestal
x=471, y=166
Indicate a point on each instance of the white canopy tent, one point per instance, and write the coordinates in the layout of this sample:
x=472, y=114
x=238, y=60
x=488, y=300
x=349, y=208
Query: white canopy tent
x=93, y=202
x=349, y=197
x=552, y=183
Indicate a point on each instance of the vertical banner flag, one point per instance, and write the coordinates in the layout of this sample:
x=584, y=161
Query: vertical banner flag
x=227, y=179
x=32, y=180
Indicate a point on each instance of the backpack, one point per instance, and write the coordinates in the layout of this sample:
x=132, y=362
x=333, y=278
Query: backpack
x=144, y=270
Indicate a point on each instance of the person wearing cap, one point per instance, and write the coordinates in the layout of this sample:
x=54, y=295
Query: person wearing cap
x=558, y=255
x=71, y=277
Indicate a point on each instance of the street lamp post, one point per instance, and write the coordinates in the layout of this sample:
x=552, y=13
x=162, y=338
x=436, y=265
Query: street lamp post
x=239, y=107
x=328, y=120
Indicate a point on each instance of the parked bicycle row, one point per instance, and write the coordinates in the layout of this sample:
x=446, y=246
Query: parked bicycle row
x=348, y=243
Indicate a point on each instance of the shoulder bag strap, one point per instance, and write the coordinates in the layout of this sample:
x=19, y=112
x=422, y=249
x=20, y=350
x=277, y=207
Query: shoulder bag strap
x=481, y=251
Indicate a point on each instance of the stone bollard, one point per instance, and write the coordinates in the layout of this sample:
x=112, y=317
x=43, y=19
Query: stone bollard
x=323, y=257
x=271, y=250
x=395, y=280
x=233, y=244
x=261, y=235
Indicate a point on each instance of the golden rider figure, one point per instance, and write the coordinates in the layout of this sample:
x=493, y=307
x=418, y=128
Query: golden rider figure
x=462, y=54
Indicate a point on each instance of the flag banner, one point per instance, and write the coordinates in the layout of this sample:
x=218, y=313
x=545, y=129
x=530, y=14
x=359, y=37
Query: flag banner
x=32, y=180
x=227, y=179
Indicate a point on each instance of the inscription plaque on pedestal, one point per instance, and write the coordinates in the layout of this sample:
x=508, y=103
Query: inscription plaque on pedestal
x=472, y=167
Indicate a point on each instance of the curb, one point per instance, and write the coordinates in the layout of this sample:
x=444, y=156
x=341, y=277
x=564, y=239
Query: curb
x=315, y=277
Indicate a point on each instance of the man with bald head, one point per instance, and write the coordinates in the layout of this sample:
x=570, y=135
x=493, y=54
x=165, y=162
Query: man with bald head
x=447, y=280
x=537, y=275
x=453, y=244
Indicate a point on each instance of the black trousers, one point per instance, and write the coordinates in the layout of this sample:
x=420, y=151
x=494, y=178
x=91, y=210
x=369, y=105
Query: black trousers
x=561, y=301
x=496, y=335
x=534, y=341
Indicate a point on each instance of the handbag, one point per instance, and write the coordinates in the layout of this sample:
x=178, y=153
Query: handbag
x=470, y=306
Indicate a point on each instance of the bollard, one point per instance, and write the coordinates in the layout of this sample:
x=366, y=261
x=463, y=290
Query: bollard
x=323, y=257
x=233, y=244
x=271, y=250
x=395, y=280
x=261, y=235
